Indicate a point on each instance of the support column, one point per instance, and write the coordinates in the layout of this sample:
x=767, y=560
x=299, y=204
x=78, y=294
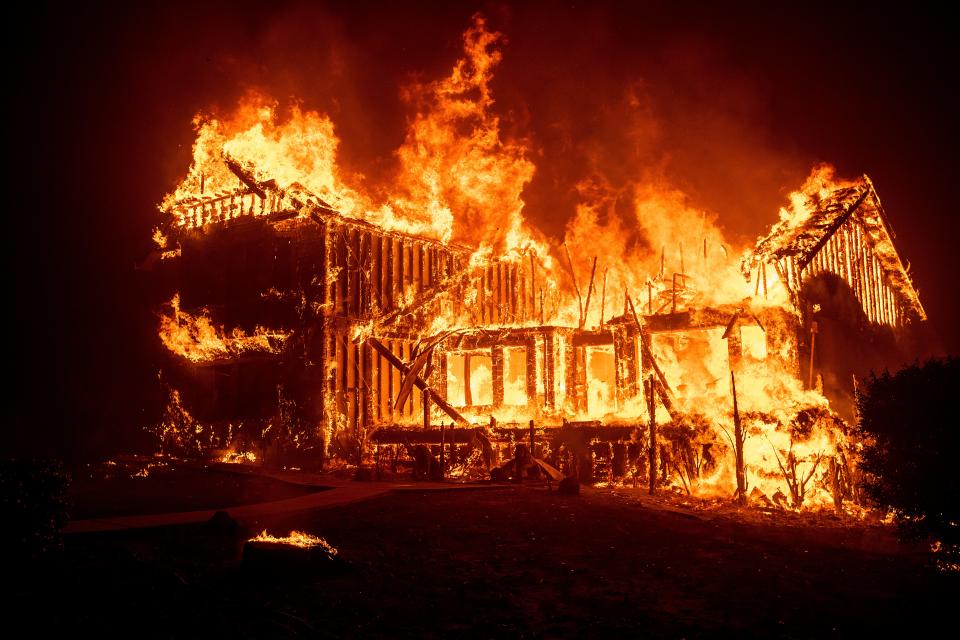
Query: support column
x=496, y=365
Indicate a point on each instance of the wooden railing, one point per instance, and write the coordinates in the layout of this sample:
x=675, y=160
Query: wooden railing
x=225, y=208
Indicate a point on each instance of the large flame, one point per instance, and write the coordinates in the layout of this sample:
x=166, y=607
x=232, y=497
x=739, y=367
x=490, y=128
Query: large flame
x=457, y=178
x=662, y=251
x=454, y=166
x=821, y=182
x=195, y=338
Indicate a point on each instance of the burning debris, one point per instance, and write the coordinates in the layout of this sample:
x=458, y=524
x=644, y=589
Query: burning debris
x=238, y=457
x=326, y=323
x=296, y=539
x=296, y=554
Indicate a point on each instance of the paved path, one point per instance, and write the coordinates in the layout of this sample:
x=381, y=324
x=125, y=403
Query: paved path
x=341, y=492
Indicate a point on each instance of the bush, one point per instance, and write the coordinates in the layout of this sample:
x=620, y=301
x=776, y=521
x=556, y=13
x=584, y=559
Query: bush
x=33, y=507
x=908, y=425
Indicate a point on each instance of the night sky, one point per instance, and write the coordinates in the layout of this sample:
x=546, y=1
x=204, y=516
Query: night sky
x=733, y=105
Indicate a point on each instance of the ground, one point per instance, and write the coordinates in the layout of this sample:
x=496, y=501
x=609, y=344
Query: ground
x=138, y=485
x=500, y=561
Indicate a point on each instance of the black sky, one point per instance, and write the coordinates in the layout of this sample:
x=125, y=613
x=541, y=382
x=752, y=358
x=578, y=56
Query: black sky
x=733, y=103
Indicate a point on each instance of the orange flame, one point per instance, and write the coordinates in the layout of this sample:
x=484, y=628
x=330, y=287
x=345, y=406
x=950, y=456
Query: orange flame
x=198, y=340
x=458, y=178
x=296, y=539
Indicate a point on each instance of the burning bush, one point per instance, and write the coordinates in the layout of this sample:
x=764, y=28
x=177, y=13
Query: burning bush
x=692, y=449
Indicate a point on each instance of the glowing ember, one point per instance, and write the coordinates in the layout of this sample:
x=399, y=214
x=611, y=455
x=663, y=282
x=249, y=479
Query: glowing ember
x=146, y=470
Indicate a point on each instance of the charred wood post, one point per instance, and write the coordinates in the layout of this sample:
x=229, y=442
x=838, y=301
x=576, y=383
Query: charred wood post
x=426, y=408
x=533, y=286
x=813, y=343
x=532, y=436
x=652, y=434
x=531, y=382
x=603, y=298
x=443, y=460
x=453, y=447
x=549, y=383
x=738, y=445
x=496, y=364
x=673, y=295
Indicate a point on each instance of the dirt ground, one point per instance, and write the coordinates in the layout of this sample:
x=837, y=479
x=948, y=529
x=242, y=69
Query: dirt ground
x=503, y=562
x=143, y=486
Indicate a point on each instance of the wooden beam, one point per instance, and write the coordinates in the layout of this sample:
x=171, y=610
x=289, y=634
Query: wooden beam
x=739, y=437
x=586, y=307
x=646, y=351
x=531, y=355
x=496, y=366
x=652, y=435
x=576, y=287
x=420, y=384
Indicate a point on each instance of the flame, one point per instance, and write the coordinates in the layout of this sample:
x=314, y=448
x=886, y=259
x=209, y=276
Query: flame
x=195, y=338
x=459, y=178
x=821, y=182
x=453, y=166
x=178, y=432
x=296, y=539
x=160, y=239
x=667, y=254
x=238, y=457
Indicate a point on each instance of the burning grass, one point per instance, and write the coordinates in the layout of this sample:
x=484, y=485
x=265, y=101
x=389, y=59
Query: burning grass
x=295, y=539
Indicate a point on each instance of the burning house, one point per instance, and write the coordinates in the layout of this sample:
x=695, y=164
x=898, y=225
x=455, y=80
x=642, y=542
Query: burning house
x=306, y=324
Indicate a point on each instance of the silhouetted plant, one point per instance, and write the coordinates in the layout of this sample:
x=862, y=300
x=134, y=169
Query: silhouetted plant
x=911, y=442
x=33, y=508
